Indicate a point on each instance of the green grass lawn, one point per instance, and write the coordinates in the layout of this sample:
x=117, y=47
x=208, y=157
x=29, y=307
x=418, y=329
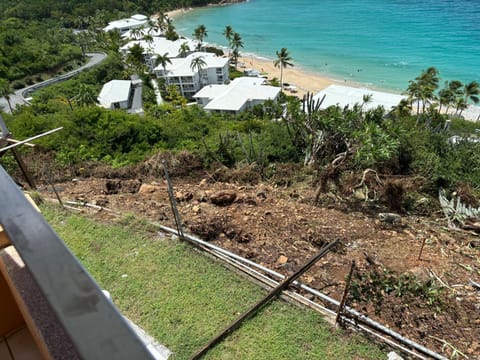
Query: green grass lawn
x=183, y=298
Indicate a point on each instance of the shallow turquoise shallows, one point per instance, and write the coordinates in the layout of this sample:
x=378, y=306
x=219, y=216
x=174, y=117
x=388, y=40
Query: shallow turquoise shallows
x=379, y=43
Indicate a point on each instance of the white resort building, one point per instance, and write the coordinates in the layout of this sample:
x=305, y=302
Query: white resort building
x=116, y=94
x=190, y=79
x=124, y=25
x=241, y=94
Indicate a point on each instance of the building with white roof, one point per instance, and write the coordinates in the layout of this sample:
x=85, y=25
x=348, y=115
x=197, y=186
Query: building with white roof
x=241, y=94
x=179, y=72
x=345, y=95
x=124, y=25
x=116, y=94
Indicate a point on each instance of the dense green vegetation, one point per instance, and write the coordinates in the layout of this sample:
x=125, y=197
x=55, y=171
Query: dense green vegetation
x=71, y=12
x=412, y=139
x=29, y=48
x=186, y=298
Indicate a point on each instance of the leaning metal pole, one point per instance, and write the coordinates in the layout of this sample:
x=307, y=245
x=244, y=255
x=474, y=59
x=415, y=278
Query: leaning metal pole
x=271, y=295
x=173, y=203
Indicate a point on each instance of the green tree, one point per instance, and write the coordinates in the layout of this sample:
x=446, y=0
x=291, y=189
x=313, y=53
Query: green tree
x=197, y=64
x=5, y=91
x=200, y=33
x=135, y=54
x=283, y=61
x=163, y=60
x=171, y=33
x=174, y=97
x=162, y=22
x=184, y=49
x=414, y=94
x=86, y=95
x=236, y=44
x=148, y=38
x=228, y=33
x=137, y=33
x=429, y=84
x=422, y=89
x=472, y=92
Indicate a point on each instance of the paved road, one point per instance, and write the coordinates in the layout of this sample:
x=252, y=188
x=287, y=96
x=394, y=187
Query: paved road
x=19, y=97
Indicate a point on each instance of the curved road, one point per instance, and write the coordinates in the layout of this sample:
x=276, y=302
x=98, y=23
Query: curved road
x=18, y=98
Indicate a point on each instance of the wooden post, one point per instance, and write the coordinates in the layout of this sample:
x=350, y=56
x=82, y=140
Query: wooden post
x=345, y=293
x=24, y=169
x=421, y=248
x=55, y=189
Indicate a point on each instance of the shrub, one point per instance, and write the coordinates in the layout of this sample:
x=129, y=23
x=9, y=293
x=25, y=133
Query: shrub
x=18, y=84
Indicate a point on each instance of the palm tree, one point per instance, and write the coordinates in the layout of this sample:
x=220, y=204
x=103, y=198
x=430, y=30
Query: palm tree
x=171, y=33
x=404, y=108
x=162, y=22
x=184, y=49
x=283, y=61
x=472, y=92
x=445, y=97
x=423, y=88
x=450, y=93
x=114, y=40
x=6, y=91
x=366, y=99
x=137, y=33
x=135, y=55
x=163, y=60
x=428, y=82
x=148, y=39
x=198, y=64
x=228, y=33
x=461, y=105
x=136, y=60
x=236, y=44
x=200, y=33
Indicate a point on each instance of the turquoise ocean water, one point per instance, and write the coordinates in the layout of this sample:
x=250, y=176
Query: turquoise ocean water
x=379, y=43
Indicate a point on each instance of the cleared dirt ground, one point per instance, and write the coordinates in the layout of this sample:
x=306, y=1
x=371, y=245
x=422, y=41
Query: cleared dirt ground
x=277, y=224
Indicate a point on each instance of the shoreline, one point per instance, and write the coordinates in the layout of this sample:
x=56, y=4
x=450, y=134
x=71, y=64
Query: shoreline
x=174, y=13
x=303, y=80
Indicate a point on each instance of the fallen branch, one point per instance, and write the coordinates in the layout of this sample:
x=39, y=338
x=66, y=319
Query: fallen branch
x=365, y=172
x=93, y=206
x=440, y=280
x=447, y=344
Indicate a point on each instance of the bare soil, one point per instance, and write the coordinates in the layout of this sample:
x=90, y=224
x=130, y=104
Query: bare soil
x=277, y=224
